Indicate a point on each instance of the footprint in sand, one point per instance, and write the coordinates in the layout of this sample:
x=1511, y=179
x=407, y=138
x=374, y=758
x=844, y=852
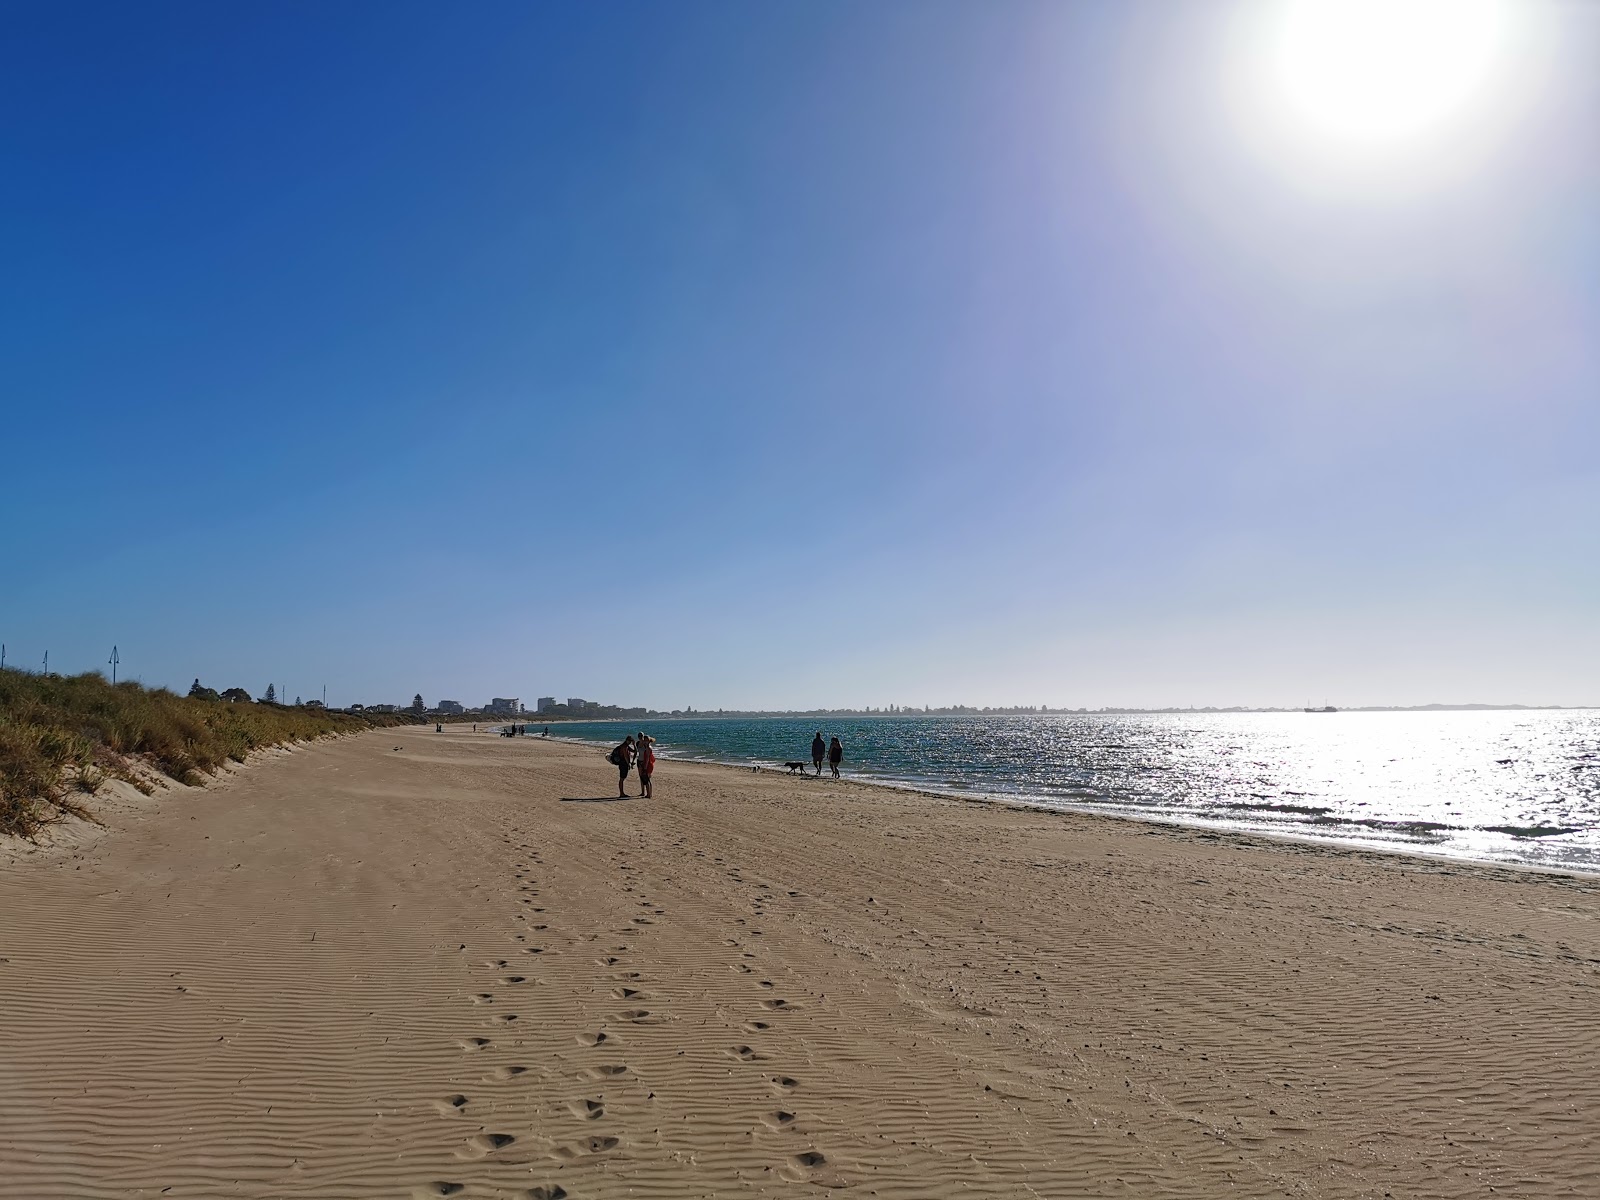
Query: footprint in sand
x=778, y=1120
x=586, y=1147
x=593, y=1039
x=744, y=1053
x=473, y=1043
x=438, y=1187
x=483, y=998
x=514, y=979
x=506, y=1018
x=487, y=1143
x=783, y=1083
x=552, y=1191
x=504, y=1073
x=756, y=1026
x=451, y=1104
x=624, y=993
x=640, y=1016
x=607, y=1071
x=589, y=1110
x=808, y=1158
x=779, y=1006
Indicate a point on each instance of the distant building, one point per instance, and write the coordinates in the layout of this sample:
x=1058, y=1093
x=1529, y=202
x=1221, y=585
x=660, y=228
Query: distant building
x=574, y=703
x=383, y=708
x=546, y=702
x=314, y=704
x=504, y=706
x=451, y=707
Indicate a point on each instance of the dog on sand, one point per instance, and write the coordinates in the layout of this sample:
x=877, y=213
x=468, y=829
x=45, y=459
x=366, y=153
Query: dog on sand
x=796, y=768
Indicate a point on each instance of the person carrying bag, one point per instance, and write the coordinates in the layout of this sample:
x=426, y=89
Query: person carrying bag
x=621, y=757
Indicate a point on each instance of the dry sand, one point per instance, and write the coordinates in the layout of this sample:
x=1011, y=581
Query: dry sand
x=458, y=969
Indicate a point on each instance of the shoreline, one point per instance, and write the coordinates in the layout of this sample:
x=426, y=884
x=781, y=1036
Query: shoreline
x=1204, y=824
x=419, y=965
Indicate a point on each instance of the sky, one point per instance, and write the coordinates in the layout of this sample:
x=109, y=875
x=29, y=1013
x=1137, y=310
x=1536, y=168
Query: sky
x=803, y=353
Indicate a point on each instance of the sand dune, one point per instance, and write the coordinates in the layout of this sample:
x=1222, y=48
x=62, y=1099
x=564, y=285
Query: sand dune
x=460, y=969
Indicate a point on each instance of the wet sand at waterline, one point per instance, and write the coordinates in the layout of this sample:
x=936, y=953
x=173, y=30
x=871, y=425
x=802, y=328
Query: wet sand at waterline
x=463, y=968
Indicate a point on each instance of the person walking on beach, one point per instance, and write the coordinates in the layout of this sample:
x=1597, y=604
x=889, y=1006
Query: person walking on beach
x=818, y=749
x=622, y=758
x=835, y=756
x=646, y=762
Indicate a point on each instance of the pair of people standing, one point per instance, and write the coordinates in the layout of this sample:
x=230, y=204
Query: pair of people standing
x=832, y=749
x=637, y=753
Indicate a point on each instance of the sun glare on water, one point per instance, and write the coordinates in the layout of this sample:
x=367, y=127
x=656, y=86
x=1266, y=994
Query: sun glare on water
x=1378, y=73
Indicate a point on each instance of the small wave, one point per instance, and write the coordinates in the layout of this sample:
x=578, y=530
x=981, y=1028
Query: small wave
x=1533, y=831
x=1304, y=810
x=1413, y=828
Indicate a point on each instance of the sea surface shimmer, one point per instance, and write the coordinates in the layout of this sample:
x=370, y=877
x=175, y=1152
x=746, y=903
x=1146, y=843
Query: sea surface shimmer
x=1503, y=786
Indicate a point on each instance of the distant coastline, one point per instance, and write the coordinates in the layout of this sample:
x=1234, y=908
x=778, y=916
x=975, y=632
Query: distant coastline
x=618, y=713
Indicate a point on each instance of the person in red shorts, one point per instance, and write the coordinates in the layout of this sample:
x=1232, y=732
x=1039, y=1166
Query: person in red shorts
x=645, y=761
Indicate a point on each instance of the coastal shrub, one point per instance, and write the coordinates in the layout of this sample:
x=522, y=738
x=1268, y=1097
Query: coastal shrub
x=58, y=733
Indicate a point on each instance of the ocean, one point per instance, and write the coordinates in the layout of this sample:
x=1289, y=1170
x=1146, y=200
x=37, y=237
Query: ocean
x=1495, y=786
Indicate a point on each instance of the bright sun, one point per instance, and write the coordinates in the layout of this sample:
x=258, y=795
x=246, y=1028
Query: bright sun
x=1375, y=73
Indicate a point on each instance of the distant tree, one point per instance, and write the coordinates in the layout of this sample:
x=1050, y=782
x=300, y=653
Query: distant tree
x=272, y=695
x=197, y=692
x=236, y=696
x=297, y=702
x=195, y=689
x=417, y=705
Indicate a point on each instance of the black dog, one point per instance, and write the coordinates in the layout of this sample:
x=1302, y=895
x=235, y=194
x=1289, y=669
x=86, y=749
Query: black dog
x=796, y=768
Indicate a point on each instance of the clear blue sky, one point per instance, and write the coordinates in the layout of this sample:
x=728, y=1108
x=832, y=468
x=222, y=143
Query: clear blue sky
x=790, y=354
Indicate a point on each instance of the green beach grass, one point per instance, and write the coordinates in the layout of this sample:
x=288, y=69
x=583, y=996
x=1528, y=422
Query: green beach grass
x=62, y=737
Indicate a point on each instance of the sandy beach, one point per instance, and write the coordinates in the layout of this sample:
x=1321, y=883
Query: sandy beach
x=408, y=964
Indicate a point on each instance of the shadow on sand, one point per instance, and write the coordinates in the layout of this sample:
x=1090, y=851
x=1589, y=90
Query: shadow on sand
x=595, y=799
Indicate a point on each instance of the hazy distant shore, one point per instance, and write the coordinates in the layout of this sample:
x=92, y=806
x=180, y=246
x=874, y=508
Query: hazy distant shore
x=621, y=713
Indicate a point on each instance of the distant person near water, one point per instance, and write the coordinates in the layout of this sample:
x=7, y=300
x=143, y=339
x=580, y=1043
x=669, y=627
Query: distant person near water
x=818, y=749
x=646, y=763
x=621, y=757
x=835, y=756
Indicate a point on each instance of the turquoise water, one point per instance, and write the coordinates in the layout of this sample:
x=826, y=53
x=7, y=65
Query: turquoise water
x=1520, y=787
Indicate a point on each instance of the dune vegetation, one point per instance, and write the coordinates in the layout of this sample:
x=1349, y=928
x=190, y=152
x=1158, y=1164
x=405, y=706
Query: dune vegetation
x=62, y=737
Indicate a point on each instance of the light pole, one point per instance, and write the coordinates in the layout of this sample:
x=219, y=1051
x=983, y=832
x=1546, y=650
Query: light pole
x=114, y=660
